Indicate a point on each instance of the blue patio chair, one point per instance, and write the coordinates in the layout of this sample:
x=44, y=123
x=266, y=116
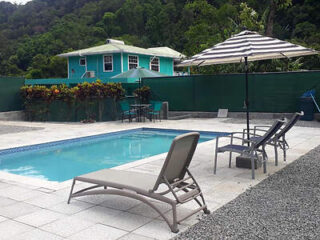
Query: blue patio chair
x=126, y=112
x=250, y=151
x=155, y=111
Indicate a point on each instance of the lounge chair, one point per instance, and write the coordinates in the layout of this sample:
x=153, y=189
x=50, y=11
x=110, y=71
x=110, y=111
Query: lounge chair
x=250, y=151
x=126, y=112
x=155, y=111
x=279, y=139
x=174, y=175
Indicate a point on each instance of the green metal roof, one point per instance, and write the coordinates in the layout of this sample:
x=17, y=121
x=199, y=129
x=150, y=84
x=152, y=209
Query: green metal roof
x=118, y=48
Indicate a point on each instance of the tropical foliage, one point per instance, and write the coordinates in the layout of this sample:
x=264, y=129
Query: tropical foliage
x=143, y=93
x=32, y=35
x=38, y=99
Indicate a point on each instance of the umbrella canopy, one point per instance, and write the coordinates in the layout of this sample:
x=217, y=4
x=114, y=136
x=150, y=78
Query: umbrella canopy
x=138, y=72
x=247, y=46
x=250, y=45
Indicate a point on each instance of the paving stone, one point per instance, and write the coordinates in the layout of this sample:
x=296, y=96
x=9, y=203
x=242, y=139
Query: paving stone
x=13, y=191
x=98, y=214
x=36, y=234
x=119, y=202
x=72, y=208
x=132, y=236
x=39, y=218
x=10, y=228
x=146, y=211
x=99, y=232
x=4, y=201
x=157, y=229
x=17, y=210
x=4, y=185
x=3, y=219
x=46, y=200
x=94, y=199
x=128, y=221
x=28, y=195
x=67, y=226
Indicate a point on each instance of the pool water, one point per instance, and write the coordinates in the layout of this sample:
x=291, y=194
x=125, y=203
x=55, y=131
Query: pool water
x=63, y=160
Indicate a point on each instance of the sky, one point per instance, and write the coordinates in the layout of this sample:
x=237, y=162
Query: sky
x=16, y=1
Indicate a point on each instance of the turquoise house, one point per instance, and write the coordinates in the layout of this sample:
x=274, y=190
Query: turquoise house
x=114, y=57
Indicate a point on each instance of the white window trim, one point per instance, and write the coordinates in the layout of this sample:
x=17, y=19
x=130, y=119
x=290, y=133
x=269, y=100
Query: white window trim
x=121, y=62
x=151, y=61
x=85, y=65
x=111, y=63
x=68, y=68
x=129, y=61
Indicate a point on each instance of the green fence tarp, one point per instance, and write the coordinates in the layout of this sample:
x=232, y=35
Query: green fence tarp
x=268, y=92
x=10, y=99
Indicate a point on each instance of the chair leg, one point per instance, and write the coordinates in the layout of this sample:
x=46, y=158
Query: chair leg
x=230, y=157
x=174, y=227
x=73, y=183
x=284, y=152
x=264, y=166
x=264, y=159
x=276, y=153
x=252, y=167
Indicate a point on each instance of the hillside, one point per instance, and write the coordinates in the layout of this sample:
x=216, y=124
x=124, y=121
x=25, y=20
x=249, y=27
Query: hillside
x=32, y=34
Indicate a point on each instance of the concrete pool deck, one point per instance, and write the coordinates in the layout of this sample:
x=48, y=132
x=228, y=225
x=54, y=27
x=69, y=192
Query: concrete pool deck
x=37, y=209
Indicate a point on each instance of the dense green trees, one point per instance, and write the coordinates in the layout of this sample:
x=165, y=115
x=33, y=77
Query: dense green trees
x=32, y=35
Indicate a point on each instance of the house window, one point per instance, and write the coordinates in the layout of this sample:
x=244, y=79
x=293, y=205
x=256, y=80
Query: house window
x=133, y=62
x=154, y=64
x=108, y=63
x=82, y=61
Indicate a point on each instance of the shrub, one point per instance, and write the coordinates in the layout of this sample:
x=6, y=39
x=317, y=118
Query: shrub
x=89, y=93
x=144, y=93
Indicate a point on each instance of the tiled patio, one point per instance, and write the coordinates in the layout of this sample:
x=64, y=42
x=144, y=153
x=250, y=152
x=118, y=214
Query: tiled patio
x=37, y=209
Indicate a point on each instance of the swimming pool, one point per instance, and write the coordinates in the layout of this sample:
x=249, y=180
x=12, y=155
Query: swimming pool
x=63, y=160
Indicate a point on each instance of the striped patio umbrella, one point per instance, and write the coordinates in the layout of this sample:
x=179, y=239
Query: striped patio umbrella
x=247, y=46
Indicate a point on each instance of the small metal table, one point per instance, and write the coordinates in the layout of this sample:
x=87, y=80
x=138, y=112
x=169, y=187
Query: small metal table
x=140, y=109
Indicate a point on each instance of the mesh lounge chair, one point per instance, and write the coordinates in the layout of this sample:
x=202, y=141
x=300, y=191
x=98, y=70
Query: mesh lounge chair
x=155, y=111
x=174, y=174
x=250, y=151
x=126, y=112
x=279, y=139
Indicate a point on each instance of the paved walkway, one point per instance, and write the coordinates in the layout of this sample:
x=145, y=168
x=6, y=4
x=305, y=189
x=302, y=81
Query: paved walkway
x=37, y=209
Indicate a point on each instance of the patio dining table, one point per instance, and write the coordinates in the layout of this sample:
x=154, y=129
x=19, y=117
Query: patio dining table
x=140, y=110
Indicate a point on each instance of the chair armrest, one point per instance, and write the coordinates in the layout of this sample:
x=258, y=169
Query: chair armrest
x=232, y=137
x=262, y=126
x=255, y=130
x=242, y=133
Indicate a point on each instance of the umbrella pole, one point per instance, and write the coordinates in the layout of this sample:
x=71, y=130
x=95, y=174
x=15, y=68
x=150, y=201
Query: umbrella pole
x=247, y=96
x=140, y=101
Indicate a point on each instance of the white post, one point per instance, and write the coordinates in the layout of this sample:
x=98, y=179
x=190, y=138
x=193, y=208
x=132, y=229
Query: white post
x=121, y=58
